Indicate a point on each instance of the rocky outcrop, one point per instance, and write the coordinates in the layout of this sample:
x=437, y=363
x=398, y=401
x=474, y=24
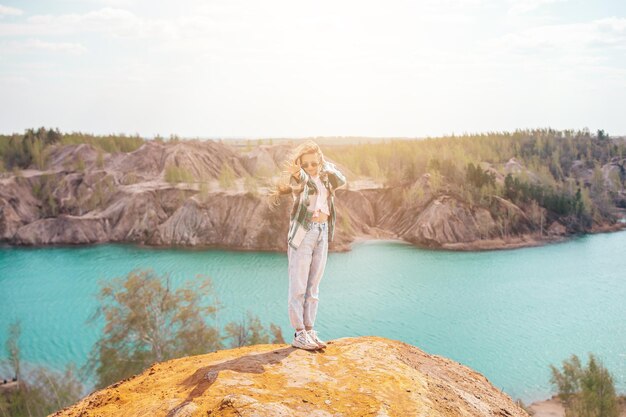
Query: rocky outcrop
x=447, y=220
x=514, y=167
x=70, y=157
x=260, y=161
x=86, y=196
x=353, y=376
x=226, y=220
x=64, y=229
x=612, y=173
x=18, y=206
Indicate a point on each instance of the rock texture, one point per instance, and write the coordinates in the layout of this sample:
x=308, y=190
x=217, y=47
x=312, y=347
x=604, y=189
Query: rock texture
x=353, y=376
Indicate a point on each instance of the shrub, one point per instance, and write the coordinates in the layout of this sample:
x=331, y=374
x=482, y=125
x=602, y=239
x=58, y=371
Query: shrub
x=250, y=331
x=148, y=321
x=586, y=391
x=100, y=159
x=39, y=391
x=227, y=176
x=250, y=185
x=175, y=174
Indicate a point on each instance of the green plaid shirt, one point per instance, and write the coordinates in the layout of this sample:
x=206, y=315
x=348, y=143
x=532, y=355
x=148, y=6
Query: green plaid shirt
x=300, y=215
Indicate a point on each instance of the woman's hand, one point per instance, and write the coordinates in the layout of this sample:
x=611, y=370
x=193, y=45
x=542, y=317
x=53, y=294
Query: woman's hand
x=294, y=169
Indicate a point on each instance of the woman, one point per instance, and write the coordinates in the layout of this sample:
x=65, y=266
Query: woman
x=312, y=182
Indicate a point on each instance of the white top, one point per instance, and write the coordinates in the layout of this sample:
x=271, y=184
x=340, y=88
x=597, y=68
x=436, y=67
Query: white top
x=321, y=202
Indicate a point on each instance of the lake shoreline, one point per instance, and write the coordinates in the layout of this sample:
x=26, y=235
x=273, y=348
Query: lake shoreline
x=518, y=242
x=552, y=407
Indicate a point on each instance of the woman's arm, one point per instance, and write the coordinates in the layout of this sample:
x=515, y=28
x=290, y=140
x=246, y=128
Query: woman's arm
x=336, y=178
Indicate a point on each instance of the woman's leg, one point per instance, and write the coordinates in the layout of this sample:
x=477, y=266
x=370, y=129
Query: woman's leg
x=299, y=267
x=318, y=264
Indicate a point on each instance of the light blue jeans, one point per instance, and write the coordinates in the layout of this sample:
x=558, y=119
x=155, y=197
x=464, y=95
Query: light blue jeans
x=306, y=267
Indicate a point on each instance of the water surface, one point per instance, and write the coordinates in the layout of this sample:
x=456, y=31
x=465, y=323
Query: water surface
x=507, y=314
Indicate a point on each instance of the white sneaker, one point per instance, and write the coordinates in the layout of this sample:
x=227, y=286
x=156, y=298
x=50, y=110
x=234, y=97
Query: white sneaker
x=303, y=341
x=313, y=336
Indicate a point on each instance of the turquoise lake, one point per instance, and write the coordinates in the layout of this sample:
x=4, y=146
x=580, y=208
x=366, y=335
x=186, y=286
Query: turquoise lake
x=507, y=314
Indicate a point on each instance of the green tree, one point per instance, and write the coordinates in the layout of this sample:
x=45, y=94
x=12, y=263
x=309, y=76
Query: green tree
x=148, y=321
x=100, y=159
x=227, y=176
x=250, y=331
x=13, y=348
x=44, y=191
x=36, y=150
x=175, y=174
x=250, y=185
x=479, y=178
x=586, y=391
x=39, y=391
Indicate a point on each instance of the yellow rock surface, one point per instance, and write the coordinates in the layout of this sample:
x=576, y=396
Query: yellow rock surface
x=353, y=376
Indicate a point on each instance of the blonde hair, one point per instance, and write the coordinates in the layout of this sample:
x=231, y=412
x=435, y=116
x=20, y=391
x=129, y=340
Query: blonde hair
x=295, y=157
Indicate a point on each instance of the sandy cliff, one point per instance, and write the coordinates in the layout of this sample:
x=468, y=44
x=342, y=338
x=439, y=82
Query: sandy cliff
x=84, y=197
x=353, y=376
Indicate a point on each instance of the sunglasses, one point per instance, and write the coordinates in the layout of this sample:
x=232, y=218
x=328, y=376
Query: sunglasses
x=306, y=164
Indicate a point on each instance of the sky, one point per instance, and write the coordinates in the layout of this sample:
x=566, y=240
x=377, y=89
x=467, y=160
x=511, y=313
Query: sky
x=297, y=68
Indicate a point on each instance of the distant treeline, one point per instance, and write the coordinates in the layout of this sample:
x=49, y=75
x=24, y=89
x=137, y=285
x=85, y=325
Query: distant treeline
x=391, y=159
x=541, y=151
x=20, y=151
x=547, y=158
